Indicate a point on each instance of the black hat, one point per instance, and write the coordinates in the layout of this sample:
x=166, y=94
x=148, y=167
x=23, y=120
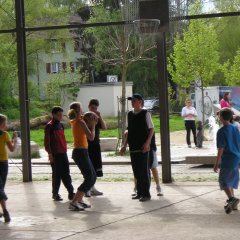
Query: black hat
x=135, y=96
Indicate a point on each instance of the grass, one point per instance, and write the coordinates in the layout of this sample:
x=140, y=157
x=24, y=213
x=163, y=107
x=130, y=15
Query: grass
x=176, y=124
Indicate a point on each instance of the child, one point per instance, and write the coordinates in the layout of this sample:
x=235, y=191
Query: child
x=153, y=163
x=94, y=149
x=56, y=146
x=199, y=134
x=81, y=131
x=228, y=144
x=11, y=144
x=140, y=132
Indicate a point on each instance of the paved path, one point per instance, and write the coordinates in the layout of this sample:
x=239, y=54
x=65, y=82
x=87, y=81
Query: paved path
x=186, y=211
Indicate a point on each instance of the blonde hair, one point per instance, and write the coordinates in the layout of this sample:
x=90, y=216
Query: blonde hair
x=72, y=114
x=188, y=100
x=75, y=110
x=3, y=118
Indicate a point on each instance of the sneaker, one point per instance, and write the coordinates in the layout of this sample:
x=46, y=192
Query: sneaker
x=159, y=191
x=84, y=205
x=6, y=216
x=231, y=204
x=71, y=196
x=95, y=192
x=88, y=194
x=57, y=197
x=228, y=207
x=1, y=214
x=136, y=197
x=144, y=199
x=74, y=206
x=235, y=203
x=189, y=146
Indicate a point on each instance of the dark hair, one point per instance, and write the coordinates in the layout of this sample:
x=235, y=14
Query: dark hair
x=56, y=109
x=236, y=118
x=93, y=102
x=199, y=122
x=225, y=96
x=3, y=118
x=226, y=114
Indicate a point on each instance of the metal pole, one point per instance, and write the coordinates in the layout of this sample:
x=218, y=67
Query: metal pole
x=164, y=113
x=23, y=90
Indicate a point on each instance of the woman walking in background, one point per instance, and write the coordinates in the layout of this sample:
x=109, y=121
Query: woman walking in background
x=189, y=114
x=225, y=101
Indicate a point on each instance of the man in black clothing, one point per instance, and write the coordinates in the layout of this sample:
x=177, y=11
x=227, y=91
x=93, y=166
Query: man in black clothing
x=140, y=132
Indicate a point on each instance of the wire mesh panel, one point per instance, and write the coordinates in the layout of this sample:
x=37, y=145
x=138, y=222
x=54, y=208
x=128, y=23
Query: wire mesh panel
x=178, y=9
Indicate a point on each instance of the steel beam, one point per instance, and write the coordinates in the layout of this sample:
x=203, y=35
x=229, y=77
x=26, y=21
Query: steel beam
x=23, y=90
x=163, y=104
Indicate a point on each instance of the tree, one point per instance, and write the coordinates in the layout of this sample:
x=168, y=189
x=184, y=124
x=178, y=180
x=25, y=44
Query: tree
x=37, y=13
x=231, y=70
x=195, y=57
x=117, y=46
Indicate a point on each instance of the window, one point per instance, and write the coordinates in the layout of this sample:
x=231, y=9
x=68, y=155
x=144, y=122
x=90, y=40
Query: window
x=77, y=45
x=53, y=67
x=75, y=66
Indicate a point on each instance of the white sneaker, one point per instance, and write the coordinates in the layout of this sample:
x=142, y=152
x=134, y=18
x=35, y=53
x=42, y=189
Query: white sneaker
x=74, y=206
x=134, y=191
x=84, y=205
x=159, y=191
x=95, y=192
x=88, y=194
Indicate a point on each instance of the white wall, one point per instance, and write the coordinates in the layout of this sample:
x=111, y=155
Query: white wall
x=106, y=93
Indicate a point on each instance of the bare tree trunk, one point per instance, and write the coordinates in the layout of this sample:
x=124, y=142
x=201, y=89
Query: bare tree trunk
x=203, y=106
x=123, y=110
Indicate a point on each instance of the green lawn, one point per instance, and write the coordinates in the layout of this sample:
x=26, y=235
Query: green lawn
x=176, y=124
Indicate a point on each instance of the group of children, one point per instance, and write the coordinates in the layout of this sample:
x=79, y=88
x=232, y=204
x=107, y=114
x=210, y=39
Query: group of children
x=87, y=153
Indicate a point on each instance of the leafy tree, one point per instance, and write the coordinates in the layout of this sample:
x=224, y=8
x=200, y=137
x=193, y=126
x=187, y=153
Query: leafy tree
x=195, y=57
x=231, y=70
x=37, y=13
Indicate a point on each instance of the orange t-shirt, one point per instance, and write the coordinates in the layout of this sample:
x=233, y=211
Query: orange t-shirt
x=79, y=137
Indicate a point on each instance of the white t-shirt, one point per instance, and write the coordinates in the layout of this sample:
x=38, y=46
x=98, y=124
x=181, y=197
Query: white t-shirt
x=148, y=119
x=186, y=111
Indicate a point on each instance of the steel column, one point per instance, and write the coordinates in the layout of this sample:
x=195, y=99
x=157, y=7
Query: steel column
x=163, y=103
x=23, y=90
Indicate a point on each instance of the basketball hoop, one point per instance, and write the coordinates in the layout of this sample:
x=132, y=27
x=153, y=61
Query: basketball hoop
x=146, y=26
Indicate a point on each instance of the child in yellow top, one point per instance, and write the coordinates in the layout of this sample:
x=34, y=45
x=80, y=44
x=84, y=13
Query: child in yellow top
x=5, y=141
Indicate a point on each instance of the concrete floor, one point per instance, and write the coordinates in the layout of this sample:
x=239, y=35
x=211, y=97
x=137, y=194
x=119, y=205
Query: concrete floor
x=186, y=211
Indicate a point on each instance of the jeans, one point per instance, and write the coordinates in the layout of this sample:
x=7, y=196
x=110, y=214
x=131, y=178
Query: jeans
x=141, y=172
x=82, y=160
x=3, y=179
x=61, y=171
x=190, y=125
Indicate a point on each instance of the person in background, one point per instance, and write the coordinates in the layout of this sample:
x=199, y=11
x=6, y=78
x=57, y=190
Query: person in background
x=11, y=144
x=228, y=156
x=189, y=114
x=236, y=121
x=94, y=149
x=199, y=134
x=225, y=101
x=56, y=147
